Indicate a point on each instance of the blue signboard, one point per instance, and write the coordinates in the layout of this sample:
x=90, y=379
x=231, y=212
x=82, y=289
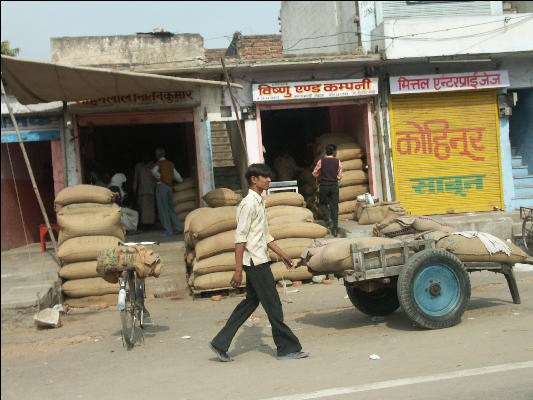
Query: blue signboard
x=32, y=129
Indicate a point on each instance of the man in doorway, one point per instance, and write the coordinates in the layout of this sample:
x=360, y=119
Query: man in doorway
x=252, y=241
x=329, y=171
x=165, y=174
x=285, y=166
x=144, y=186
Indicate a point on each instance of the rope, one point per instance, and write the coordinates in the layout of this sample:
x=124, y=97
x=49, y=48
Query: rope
x=18, y=199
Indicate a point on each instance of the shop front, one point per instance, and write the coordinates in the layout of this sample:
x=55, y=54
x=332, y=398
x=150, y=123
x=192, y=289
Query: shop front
x=291, y=116
x=446, y=141
x=21, y=215
x=114, y=134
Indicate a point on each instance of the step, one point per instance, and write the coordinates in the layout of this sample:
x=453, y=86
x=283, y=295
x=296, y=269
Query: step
x=220, y=140
x=521, y=202
x=220, y=148
x=514, y=151
x=520, y=171
x=523, y=191
x=516, y=161
x=522, y=181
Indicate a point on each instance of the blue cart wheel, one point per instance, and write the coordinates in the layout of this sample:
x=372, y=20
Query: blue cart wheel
x=434, y=288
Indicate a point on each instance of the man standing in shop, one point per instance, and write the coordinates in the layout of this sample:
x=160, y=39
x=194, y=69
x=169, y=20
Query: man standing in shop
x=329, y=171
x=252, y=241
x=165, y=174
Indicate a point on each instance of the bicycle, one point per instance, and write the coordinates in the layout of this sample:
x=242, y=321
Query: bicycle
x=526, y=213
x=132, y=315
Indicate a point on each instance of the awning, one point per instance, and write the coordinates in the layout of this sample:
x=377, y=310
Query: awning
x=35, y=82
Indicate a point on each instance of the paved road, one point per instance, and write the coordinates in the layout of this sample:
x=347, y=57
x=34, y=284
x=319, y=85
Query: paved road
x=489, y=355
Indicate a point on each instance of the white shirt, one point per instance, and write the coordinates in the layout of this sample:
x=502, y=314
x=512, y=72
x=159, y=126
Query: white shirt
x=157, y=174
x=252, y=229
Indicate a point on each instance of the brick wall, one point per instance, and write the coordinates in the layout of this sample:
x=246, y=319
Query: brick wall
x=259, y=47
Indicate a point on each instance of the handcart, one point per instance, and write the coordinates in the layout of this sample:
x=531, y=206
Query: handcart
x=432, y=285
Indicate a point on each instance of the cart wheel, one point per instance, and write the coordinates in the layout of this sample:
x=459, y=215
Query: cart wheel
x=434, y=288
x=381, y=302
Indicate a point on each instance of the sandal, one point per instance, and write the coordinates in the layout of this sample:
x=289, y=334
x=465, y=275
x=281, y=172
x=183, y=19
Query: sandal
x=294, y=356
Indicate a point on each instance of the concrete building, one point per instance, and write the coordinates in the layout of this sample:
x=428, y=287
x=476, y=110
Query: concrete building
x=434, y=40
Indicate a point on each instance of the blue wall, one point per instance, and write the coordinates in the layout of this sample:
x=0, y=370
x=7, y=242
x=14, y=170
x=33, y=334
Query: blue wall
x=506, y=160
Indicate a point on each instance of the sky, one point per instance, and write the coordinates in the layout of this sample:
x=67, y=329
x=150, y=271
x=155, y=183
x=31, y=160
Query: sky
x=29, y=25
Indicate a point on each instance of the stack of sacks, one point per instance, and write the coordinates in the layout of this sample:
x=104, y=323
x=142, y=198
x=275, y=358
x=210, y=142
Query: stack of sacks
x=291, y=225
x=334, y=256
x=355, y=179
x=90, y=223
x=368, y=214
x=210, y=240
x=185, y=198
x=222, y=197
x=471, y=246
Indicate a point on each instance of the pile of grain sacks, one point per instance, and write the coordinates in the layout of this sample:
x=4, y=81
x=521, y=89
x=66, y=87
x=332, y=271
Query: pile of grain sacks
x=354, y=181
x=185, y=197
x=90, y=222
x=210, y=239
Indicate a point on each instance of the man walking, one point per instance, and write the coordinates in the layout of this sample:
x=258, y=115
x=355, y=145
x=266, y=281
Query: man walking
x=252, y=241
x=165, y=173
x=329, y=171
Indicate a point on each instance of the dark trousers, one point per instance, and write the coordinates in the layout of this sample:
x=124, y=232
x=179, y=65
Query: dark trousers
x=329, y=196
x=260, y=288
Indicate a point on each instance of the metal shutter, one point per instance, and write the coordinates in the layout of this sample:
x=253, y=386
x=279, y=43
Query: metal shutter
x=446, y=151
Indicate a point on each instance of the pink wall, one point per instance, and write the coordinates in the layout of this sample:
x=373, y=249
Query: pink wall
x=39, y=154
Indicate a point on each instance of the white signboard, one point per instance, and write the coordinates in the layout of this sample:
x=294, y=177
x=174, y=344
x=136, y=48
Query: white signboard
x=448, y=82
x=138, y=101
x=289, y=91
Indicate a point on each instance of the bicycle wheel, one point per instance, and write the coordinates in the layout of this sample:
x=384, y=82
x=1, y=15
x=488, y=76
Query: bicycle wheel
x=527, y=233
x=128, y=316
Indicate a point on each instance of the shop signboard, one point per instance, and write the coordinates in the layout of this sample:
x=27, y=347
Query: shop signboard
x=448, y=82
x=138, y=101
x=32, y=129
x=314, y=90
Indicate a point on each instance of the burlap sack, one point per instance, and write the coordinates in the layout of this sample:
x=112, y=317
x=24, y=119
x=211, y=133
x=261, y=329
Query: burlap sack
x=188, y=183
x=185, y=195
x=110, y=261
x=406, y=225
x=218, y=263
x=191, y=216
x=222, y=197
x=284, y=199
x=85, y=248
x=351, y=192
x=79, y=270
x=349, y=165
x=215, y=244
x=336, y=257
x=347, y=207
x=316, y=246
x=473, y=250
x=278, y=211
x=293, y=247
x=185, y=206
x=354, y=177
x=345, y=152
x=280, y=271
x=84, y=194
x=289, y=219
x=210, y=221
x=347, y=217
x=298, y=230
x=332, y=138
x=87, y=208
x=216, y=280
x=100, y=221
x=359, y=208
x=372, y=213
x=88, y=287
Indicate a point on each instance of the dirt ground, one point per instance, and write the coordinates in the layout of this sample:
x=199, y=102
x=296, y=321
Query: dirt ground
x=85, y=357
